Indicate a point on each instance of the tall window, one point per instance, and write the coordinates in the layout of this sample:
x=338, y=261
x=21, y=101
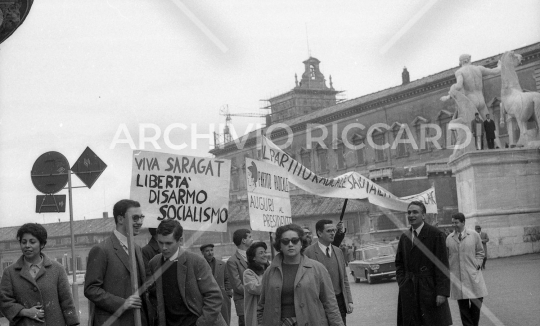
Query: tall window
x=400, y=148
x=358, y=140
x=378, y=139
x=423, y=146
x=340, y=157
x=322, y=155
x=305, y=156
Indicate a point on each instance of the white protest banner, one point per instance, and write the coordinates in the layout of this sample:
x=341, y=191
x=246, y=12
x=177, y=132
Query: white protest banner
x=351, y=185
x=268, y=196
x=192, y=190
x=427, y=197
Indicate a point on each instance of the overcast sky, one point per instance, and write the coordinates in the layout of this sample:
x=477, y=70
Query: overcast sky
x=77, y=71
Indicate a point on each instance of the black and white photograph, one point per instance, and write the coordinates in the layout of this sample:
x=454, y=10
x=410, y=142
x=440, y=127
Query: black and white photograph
x=396, y=144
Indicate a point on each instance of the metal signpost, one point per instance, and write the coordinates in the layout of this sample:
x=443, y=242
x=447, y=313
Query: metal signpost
x=50, y=174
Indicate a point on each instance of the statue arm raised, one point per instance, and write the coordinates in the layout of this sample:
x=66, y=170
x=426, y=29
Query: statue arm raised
x=490, y=72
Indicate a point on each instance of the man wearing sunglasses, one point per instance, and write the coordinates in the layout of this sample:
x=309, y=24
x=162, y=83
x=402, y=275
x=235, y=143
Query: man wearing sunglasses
x=107, y=284
x=334, y=261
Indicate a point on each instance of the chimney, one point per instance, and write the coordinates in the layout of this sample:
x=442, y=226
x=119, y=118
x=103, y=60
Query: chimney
x=105, y=215
x=405, y=76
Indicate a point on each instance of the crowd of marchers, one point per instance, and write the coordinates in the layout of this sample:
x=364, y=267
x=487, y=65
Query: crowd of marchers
x=304, y=284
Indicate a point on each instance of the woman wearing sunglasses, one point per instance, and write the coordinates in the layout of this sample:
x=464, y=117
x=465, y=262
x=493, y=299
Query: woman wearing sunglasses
x=296, y=290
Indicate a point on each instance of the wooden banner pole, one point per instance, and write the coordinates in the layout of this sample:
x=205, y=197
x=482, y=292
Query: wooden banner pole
x=133, y=266
x=343, y=210
x=74, y=286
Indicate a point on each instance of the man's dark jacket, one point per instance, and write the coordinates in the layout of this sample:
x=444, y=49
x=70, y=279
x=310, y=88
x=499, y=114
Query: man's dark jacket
x=420, y=280
x=198, y=288
x=489, y=127
x=150, y=250
x=107, y=283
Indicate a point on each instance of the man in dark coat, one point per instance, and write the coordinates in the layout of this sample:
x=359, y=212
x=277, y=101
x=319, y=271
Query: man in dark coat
x=219, y=270
x=152, y=248
x=107, y=284
x=422, y=273
x=236, y=265
x=489, y=127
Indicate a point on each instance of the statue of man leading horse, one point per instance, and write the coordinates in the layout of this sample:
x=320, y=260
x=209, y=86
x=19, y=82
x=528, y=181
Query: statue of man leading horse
x=468, y=94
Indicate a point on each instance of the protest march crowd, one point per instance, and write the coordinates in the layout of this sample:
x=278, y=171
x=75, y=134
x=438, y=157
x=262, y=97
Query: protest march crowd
x=304, y=284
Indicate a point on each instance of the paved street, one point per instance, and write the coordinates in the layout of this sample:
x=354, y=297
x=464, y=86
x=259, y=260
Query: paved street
x=514, y=297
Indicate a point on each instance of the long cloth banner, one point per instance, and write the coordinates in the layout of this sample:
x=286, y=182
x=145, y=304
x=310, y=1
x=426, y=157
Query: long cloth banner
x=192, y=190
x=351, y=185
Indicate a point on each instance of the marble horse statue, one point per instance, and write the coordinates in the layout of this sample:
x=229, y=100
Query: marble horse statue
x=523, y=106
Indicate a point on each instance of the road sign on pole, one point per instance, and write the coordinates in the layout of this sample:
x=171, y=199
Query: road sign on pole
x=50, y=204
x=50, y=172
x=88, y=167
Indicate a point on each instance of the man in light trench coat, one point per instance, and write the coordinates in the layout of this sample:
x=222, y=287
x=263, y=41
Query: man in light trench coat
x=465, y=254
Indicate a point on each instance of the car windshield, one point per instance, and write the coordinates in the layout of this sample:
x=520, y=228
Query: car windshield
x=386, y=251
x=378, y=252
x=371, y=253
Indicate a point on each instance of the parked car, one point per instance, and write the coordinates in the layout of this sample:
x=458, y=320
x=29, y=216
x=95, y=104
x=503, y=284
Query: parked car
x=372, y=262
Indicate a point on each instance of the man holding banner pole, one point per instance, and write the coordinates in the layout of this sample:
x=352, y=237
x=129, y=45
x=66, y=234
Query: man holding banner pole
x=236, y=265
x=107, y=284
x=334, y=261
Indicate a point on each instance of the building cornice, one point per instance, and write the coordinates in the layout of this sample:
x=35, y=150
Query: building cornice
x=373, y=101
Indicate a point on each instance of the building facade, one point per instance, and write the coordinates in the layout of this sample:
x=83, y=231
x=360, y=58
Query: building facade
x=406, y=112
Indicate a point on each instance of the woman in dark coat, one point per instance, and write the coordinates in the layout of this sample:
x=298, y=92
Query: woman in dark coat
x=35, y=290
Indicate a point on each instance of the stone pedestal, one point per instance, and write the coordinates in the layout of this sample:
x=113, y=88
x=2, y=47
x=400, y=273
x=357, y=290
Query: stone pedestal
x=500, y=190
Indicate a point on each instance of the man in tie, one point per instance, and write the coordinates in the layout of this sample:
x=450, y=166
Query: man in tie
x=107, y=284
x=422, y=272
x=466, y=254
x=236, y=265
x=332, y=258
